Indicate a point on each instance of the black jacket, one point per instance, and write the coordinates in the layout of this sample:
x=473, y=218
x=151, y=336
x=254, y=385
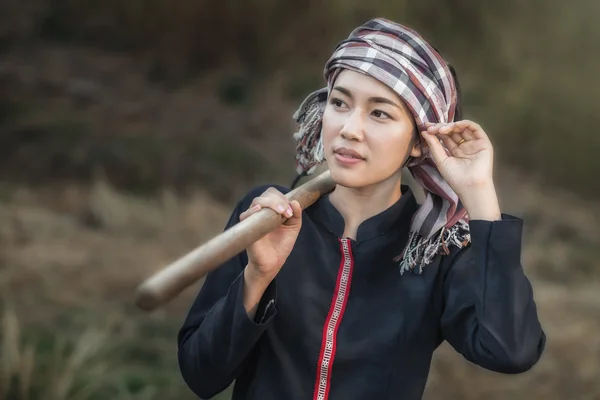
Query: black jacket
x=339, y=322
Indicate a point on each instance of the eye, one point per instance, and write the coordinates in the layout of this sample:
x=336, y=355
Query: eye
x=381, y=115
x=338, y=103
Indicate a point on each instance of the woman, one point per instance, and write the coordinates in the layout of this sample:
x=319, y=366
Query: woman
x=349, y=298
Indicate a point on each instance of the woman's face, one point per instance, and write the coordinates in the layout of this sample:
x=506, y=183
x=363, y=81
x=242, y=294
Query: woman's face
x=368, y=132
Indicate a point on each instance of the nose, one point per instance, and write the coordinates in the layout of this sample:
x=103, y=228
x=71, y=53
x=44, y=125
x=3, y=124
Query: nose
x=353, y=128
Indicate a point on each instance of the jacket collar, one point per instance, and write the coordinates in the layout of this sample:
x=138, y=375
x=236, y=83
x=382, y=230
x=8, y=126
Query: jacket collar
x=398, y=215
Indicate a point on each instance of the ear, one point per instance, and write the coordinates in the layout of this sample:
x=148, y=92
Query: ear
x=416, y=151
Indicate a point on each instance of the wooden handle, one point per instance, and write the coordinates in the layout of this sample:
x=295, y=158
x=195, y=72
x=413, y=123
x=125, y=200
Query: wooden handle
x=167, y=283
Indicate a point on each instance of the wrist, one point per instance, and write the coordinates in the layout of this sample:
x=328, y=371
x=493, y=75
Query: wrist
x=482, y=203
x=255, y=278
x=255, y=286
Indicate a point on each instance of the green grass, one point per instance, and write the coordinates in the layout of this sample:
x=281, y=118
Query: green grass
x=86, y=358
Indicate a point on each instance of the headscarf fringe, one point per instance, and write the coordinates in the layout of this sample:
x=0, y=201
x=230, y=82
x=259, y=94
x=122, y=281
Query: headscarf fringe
x=420, y=251
x=309, y=148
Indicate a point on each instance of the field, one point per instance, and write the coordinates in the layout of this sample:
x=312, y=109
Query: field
x=72, y=256
x=121, y=149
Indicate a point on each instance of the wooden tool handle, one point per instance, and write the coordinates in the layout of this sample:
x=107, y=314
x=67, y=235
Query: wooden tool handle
x=167, y=283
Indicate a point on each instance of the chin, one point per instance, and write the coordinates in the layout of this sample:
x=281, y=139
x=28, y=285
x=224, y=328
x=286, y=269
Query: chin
x=348, y=178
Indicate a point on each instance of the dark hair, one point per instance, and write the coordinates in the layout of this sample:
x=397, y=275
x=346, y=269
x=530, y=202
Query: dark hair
x=458, y=113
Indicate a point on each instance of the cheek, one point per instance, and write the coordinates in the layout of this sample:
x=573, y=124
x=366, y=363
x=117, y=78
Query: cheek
x=389, y=149
x=332, y=125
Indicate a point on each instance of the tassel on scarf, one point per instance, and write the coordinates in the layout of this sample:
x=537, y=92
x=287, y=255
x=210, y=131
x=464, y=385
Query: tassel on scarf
x=420, y=251
x=309, y=148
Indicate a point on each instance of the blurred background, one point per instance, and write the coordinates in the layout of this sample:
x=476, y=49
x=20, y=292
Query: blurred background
x=128, y=129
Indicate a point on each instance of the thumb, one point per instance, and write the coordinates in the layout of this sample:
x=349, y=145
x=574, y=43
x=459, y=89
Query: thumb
x=296, y=219
x=438, y=153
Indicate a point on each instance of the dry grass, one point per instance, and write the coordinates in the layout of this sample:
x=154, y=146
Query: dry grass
x=76, y=370
x=71, y=255
x=71, y=260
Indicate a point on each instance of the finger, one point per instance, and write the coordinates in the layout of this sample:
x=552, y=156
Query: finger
x=274, y=192
x=276, y=203
x=445, y=129
x=285, y=201
x=460, y=139
x=438, y=153
x=252, y=210
x=269, y=200
x=456, y=138
x=465, y=134
x=471, y=128
x=434, y=128
x=471, y=147
x=456, y=131
x=449, y=142
x=296, y=217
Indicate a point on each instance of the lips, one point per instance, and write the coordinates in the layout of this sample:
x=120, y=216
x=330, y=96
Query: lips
x=348, y=153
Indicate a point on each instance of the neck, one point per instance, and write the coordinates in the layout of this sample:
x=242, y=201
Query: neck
x=356, y=205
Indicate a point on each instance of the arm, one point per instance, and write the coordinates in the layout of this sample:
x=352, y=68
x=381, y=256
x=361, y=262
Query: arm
x=224, y=323
x=490, y=316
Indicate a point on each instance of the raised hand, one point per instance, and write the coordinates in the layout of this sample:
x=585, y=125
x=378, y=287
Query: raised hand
x=467, y=165
x=470, y=162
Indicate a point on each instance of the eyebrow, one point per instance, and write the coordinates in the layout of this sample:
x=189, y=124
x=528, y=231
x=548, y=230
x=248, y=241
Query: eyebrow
x=375, y=99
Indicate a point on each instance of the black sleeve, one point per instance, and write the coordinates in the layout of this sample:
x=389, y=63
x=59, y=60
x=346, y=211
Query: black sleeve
x=218, y=335
x=490, y=316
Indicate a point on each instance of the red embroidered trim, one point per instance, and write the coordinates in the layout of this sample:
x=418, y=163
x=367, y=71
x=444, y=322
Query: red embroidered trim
x=332, y=323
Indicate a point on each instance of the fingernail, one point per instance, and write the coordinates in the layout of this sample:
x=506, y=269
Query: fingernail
x=280, y=208
x=289, y=211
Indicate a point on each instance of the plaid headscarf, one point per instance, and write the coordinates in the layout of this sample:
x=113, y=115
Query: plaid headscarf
x=401, y=59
